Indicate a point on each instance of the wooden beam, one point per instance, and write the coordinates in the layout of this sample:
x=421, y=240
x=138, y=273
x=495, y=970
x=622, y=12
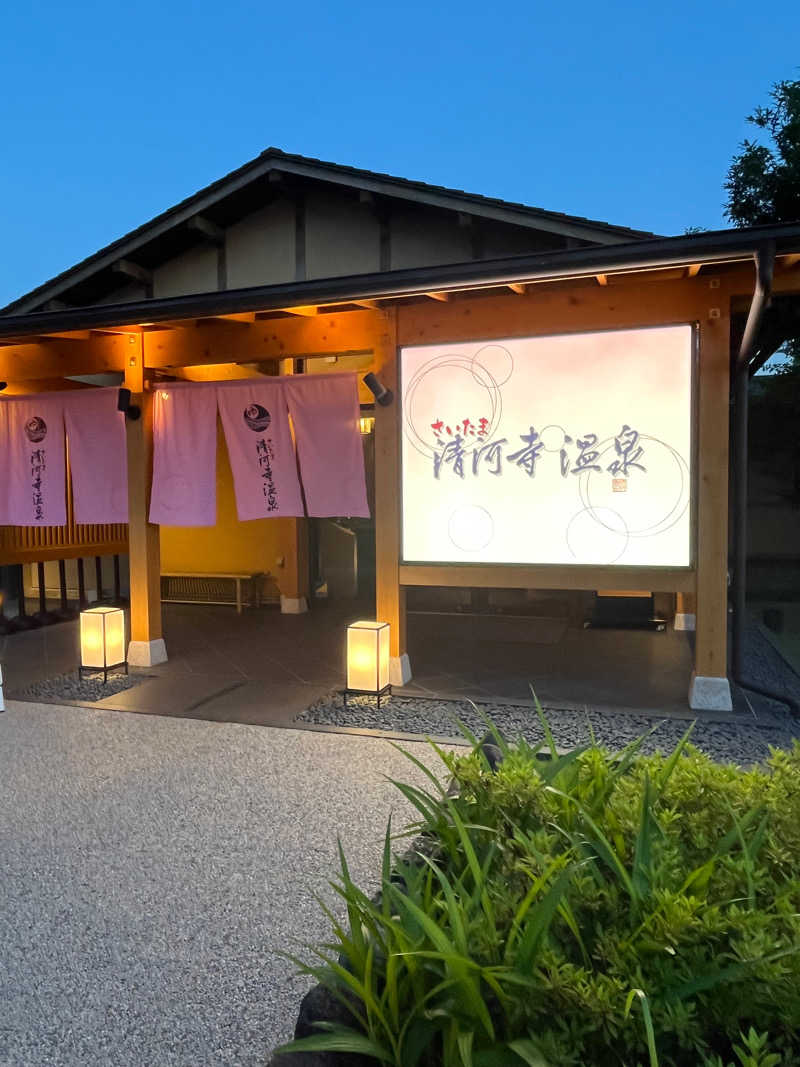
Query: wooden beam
x=218, y=372
x=69, y=335
x=305, y=312
x=791, y=261
x=122, y=330
x=518, y=287
x=441, y=297
x=207, y=229
x=557, y=309
x=602, y=279
x=133, y=270
x=372, y=305
x=61, y=359
x=46, y=338
x=556, y=577
x=172, y=324
x=324, y=335
x=693, y=270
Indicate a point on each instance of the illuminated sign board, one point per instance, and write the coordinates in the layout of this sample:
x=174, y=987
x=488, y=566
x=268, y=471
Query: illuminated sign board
x=570, y=449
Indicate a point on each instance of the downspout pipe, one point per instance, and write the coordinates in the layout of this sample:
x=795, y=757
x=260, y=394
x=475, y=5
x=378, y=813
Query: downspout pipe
x=765, y=265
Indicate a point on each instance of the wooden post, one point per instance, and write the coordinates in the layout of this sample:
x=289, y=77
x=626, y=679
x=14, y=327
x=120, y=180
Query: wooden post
x=146, y=646
x=294, y=582
x=685, y=612
x=390, y=595
x=710, y=689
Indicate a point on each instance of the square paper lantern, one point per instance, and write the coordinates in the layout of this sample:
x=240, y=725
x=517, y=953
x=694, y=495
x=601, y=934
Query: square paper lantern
x=368, y=657
x=102, y=639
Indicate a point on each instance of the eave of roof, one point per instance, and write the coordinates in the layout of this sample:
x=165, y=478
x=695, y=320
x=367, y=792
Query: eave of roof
x=719, y=247
x=273, y=159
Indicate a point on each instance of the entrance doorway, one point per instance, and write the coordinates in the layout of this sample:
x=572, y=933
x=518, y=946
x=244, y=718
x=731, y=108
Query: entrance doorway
x=342, y=550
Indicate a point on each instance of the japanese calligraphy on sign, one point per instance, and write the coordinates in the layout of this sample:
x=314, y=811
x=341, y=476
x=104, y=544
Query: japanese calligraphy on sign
x=571, y=449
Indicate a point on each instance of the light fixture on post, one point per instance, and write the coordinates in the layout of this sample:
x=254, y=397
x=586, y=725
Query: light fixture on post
x=366, y=425
x=367, y=659
x=131, y=411
x=102, y=641
x=383, y=396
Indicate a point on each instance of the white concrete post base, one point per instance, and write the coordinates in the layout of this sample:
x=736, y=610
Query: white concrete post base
x=147, y=653
x=2, y=702
x=400, y=670
x=709, y=694
x=685, y=621
x=293, y=605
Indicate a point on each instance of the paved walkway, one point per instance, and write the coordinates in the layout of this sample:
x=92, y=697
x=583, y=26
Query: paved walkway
x=153, y=867
x=264, y=667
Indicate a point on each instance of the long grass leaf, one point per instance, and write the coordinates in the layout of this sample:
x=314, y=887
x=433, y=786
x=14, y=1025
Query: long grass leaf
x=528, y=1053
x=340, y=1039
x=539, y=922
x=648, y=1022
x=548, y=733
x=672, y=760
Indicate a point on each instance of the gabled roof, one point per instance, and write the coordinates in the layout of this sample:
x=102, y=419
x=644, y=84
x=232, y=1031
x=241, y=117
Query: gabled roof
x=229, y=194
x=719, y=248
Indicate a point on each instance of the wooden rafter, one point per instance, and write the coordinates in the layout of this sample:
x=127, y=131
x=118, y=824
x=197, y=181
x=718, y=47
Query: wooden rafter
x=306, y=312
x=443, y=297
x=602, y=279
x=791, y=261
x=518, y=287
x=207, y=229
x=134, y=271
x=693, y=270
x=240, y=318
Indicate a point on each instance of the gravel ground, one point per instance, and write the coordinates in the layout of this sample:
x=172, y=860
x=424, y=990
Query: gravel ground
x=762, y=724
x=743, y=741
x=72, y=687
x=152, y=868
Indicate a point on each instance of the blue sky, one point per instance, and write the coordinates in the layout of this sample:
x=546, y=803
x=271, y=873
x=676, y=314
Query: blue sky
x=626, y=112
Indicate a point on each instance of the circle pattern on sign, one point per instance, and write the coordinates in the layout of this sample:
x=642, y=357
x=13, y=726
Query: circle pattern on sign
x=490, y=368
x=663, y=461
x=470, y=528
x=497, y=361
x=603, y=546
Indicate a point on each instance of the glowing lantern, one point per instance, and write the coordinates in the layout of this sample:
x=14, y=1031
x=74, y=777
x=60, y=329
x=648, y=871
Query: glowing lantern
x=103, y=640
x=368, y=658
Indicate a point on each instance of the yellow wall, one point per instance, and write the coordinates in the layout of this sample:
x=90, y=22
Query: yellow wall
x=230, y=546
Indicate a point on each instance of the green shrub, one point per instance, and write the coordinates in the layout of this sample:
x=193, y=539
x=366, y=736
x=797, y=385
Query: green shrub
x=582, y=909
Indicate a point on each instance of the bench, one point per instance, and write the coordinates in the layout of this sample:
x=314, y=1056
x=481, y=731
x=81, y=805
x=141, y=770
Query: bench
x=189, y=588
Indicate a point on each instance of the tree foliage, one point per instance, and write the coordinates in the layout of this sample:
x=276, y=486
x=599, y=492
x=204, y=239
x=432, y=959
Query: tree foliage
x=763, y=182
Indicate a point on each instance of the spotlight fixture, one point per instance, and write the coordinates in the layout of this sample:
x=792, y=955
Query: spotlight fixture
x=383, y=396
x=131, y=411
